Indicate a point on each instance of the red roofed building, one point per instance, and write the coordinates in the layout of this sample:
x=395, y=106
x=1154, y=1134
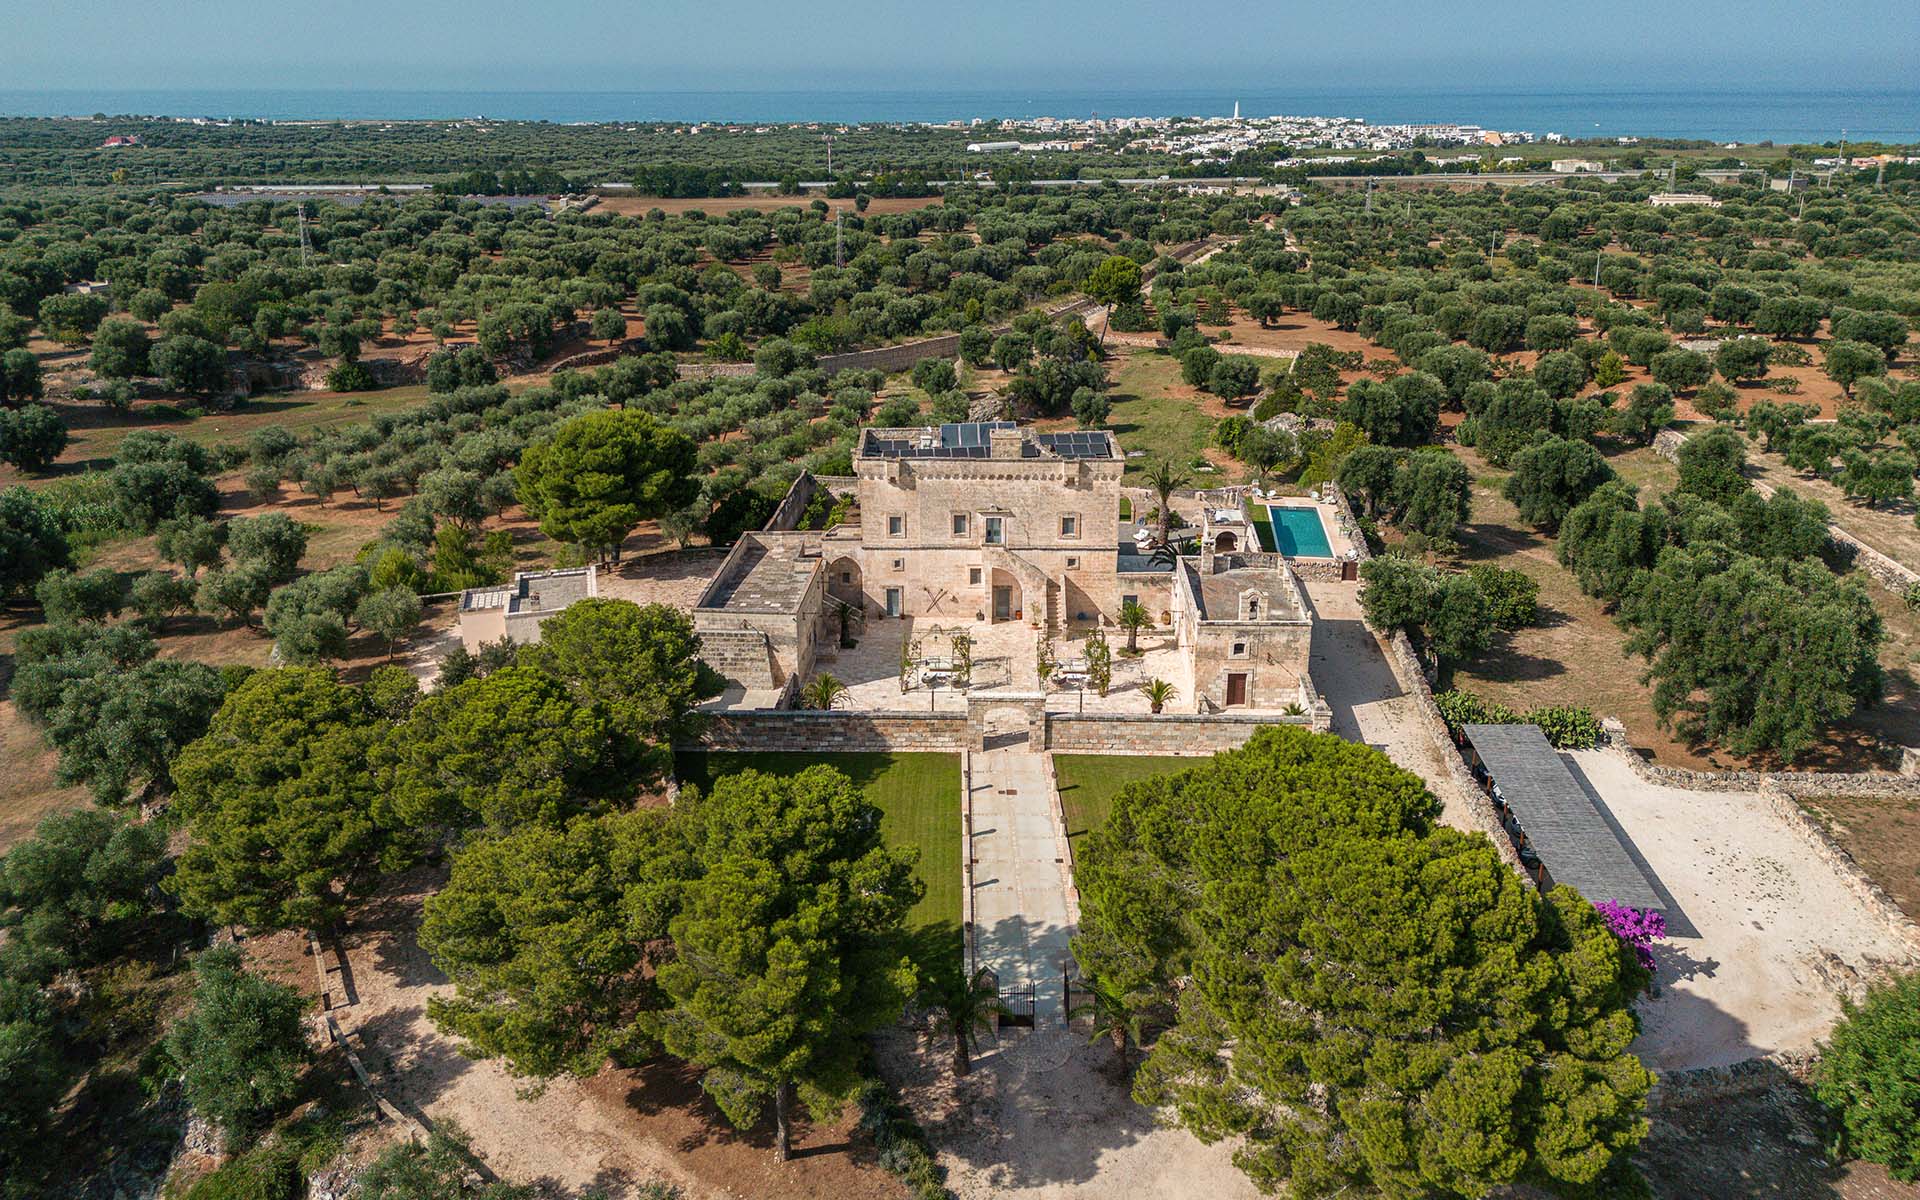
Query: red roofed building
x=118, y=140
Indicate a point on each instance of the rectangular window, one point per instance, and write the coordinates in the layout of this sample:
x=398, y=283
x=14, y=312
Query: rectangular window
x=846, y=577
x=896, y=526
x=894, y=596
x=1070, y=526
x=899, y=564
x=1239, y=650
x=973, y=576
x=996, y=531
x=1129, y=599
x=1073, y=564
x=959, y=524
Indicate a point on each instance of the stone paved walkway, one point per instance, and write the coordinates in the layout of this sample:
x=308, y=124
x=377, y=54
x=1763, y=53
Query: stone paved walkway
x=1021, y=912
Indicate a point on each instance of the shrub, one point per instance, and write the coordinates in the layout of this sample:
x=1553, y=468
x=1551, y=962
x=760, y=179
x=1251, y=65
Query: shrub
x=1458, y=708
x=351, y=377
x=1566, y=727
x=1870, y=1073
x=898, y=1142
x=1514, y=596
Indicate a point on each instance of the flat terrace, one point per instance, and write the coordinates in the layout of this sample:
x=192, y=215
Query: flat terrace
x=974, y=439
x=764, y=574
x=1218, y=594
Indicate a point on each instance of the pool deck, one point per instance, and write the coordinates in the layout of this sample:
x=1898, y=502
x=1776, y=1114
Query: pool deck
x=1265, y=527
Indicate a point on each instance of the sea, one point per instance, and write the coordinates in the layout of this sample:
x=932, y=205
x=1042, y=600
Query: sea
x=1746, y=114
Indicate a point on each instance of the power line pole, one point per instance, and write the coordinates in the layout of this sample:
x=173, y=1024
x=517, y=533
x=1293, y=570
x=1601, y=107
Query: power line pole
x=839, y=237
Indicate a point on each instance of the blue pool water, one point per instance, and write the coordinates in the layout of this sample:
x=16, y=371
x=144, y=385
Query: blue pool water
x=1298, y=533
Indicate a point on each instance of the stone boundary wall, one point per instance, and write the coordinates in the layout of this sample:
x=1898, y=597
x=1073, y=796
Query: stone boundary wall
x=1166, y=734
x=807, y=729
x=1480, y=812
x=1869, y=893
x=1412, y=678
x=1896, y=577
x=1809, y=783
x=716, y=370
x=1780, y=791
x=1711, y=1084
x=891, y=358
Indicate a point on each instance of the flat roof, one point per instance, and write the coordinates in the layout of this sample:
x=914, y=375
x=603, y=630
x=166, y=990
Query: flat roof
x=1574, y=839
x=974, y=439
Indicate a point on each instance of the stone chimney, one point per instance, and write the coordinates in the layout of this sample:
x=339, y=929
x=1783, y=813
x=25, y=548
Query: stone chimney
x=1005, y=443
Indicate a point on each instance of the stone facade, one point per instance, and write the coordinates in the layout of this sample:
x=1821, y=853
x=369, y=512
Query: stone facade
x=1009, y=536
x=1247, y=629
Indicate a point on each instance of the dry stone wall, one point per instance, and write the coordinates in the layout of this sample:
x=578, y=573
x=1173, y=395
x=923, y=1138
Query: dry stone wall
x=1894, y=576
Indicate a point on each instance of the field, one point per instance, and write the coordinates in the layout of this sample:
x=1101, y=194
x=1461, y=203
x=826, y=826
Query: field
x=1577, y=654
x=918, y=796
x=1888, y=527
x=1155, y=411
x=1088, y=783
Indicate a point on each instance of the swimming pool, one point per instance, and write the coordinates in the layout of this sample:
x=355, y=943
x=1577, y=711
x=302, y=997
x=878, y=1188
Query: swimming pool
x=1296, y=532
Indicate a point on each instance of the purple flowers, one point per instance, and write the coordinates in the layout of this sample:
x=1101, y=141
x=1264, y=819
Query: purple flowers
x=1637, y=928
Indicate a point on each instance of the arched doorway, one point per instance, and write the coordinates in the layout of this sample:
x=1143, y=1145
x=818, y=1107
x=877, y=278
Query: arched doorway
x=844, y=582
x=1225, y=542
x=1005, y=719
x=1005, y=598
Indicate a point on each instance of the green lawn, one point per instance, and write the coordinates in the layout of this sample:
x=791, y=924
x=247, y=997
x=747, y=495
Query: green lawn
x=1088, y=783
x=918, y=796
x=1153, y=410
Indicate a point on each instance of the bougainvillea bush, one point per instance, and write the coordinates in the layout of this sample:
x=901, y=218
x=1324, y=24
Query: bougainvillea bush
x=1638, y=928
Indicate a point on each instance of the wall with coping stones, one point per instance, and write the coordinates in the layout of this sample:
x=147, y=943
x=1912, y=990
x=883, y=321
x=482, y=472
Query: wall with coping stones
x=1088, y=733
x=1412, y=677
x=806, y=729
x=1167, y=734
x=1895, y=577
x=1808, y=783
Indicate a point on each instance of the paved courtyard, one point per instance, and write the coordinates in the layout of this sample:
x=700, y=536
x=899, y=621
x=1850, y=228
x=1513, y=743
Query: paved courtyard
x=1771, y=935
x=1005, y=658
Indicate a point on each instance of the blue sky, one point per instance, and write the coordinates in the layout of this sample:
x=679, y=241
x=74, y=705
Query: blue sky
x=644, y=45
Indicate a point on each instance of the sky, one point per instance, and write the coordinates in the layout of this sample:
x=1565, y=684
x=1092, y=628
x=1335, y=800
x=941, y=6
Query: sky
x=649, y=45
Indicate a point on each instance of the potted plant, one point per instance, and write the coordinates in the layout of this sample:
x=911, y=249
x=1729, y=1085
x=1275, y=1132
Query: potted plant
x=1158, y=693
x=822, y=692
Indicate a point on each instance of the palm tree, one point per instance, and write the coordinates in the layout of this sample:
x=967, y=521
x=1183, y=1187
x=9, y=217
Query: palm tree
x=961, y=1008
x=1165, y=478
x=822, y=692
x=1112, y=1019
x=1158, y=692
x=1134, y=618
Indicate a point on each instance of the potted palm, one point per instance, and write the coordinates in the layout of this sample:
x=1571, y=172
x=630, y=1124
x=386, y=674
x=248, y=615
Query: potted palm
x=1158, y=693
x=822, y=692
